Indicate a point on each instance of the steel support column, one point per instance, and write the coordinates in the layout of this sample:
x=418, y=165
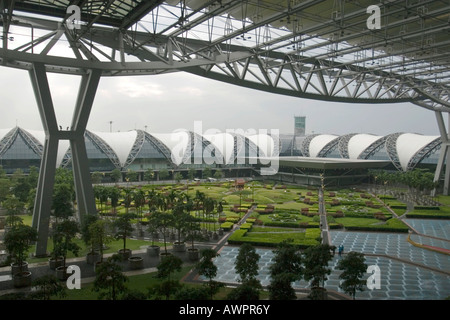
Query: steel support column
x=43, y=201
x=83, y=185
x=82, y=178
x=444, y=156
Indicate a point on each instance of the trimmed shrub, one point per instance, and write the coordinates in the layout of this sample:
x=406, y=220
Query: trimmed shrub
x=426, y=208
x=246, y=225
x=227, y=226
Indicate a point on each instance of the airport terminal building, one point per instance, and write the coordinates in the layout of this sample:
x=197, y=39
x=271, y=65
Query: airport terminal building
x=303, y=159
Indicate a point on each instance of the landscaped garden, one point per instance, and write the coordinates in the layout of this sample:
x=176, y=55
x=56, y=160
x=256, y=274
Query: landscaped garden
x=275, y=213
x=278, y=212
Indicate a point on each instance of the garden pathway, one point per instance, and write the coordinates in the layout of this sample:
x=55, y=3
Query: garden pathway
x=326, y=239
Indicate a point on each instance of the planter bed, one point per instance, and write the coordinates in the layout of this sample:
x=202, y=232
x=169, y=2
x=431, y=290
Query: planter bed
x=372, y=224
x=302, y=239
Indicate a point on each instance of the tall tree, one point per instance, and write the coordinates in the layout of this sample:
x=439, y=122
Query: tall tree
x=286, y=268
x=116, y=175
x=166, y=268
x=100, y=235
x=207, y=268
x=316, y=259
x=109, y=279
x=246, y=265
x=14, y=208
x=354, y=267
x=63, y=238
x=5, y=184
x=127, y=198
x=124, y=228
x=160, y=220
x=139, y=201
x=62, y=201
x=114, y=196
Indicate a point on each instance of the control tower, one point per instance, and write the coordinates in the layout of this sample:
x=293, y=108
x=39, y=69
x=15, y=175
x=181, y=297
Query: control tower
x=299, y=126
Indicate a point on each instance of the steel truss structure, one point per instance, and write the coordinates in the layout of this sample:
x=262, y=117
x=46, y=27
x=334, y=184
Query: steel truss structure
x=315, y=49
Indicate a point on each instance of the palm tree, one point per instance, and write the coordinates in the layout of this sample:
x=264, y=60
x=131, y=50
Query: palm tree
x=152, y=199
x=139, y=201
x=209, y=206
x=128, y=198
x=180, y=217
x=164, y=221
x=114, y=196
x=199, y=202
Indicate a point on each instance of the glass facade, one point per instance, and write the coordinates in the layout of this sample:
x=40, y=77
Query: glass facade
x=202, y=153
x=149, y=157
x=98, y=160
x=19, y=155
x=20, y=150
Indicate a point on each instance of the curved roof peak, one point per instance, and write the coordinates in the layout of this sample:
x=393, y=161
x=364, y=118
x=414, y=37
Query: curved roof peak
x=120, y=142
x=360, y=142
x=319, y=142
x=408, y=144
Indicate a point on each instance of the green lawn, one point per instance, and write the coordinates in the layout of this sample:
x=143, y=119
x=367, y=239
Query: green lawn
x=301, y=237
x=288, y=206
x=358, y=222
x=139, y=282
x=372, y=224
x=278, y=218
x=113, y=247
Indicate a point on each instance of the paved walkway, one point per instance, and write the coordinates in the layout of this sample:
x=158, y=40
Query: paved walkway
x=87, y=271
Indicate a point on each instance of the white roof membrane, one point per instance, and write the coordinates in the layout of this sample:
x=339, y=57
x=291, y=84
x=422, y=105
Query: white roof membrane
x=120, y=142
x=360, y=142
x=318, y=143
x=408, y=144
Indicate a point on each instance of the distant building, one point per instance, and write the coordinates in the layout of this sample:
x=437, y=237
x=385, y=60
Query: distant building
x=302, y=159
x=299, y=126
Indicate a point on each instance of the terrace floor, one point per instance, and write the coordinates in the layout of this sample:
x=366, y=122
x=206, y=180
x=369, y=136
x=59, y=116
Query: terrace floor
x=407, y=272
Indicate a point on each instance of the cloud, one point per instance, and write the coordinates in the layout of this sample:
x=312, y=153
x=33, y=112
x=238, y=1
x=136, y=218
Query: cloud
x=133, y=88
x=191, y=91
x=166, y=102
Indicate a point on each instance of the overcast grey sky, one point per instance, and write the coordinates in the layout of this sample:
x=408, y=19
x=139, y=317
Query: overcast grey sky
x=165, y=103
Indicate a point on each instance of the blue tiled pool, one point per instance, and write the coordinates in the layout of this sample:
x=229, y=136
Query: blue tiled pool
x=399, y=280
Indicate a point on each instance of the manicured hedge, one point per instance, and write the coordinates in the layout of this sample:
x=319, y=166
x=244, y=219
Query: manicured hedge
x=246, y=225
x=427, y=208
x=391, y=225
x=283, y=224
x=398, y=206
x=431, y=215
x=309, y=238
x=227, y=226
